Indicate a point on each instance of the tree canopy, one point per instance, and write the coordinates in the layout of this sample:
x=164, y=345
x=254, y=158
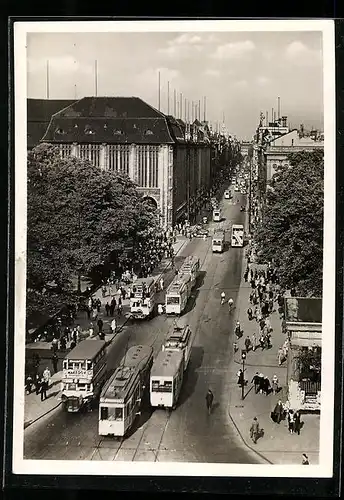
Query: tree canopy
x=291, y=231
x=77, y=215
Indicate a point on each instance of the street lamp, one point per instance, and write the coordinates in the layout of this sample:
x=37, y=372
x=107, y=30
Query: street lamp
x=243, y=357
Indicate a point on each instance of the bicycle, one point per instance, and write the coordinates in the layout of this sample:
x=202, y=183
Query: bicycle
x=230, y=305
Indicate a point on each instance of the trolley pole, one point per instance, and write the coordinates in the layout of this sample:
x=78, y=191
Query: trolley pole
x=243, y=357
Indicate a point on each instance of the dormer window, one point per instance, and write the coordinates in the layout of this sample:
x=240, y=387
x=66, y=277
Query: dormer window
x=105, y=126
x=118, y=132
x=88, y=130
x=76, y=125
x=59, y=131
x=148, y=132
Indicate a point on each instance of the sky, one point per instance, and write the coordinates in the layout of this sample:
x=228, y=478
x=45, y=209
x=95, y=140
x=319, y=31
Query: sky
x=240, y=73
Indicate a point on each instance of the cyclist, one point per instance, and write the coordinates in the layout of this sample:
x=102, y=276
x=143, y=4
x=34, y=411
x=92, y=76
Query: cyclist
x=223, y=298
x=230, y=303
x=209, y=400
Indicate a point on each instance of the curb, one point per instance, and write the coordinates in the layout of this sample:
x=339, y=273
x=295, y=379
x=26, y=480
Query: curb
x=265, y=366
x=41, y=416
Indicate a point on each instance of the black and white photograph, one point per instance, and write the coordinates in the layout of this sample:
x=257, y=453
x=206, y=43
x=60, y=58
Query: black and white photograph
x=174, y=248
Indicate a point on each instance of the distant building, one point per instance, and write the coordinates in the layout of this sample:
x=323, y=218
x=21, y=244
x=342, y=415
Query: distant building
x=245, y=147
x=168, y=160
x=277, y=150
x=303, y=324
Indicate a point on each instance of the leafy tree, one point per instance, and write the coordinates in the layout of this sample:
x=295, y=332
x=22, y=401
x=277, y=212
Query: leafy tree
x=291, y=231
x=77, y=215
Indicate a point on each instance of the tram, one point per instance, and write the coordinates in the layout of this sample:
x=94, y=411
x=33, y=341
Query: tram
x=191, y=266
x=218, y=241
x=84, y=373
x=143, y=298
x=166, y=379
x=122, y=395
x=217, y=215
x=178, y=293
x=179, y=339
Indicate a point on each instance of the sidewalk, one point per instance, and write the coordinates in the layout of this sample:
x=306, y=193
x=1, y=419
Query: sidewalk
x=34, y=407
x=277, y=445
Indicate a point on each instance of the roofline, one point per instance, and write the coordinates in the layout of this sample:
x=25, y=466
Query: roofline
x=52, y=116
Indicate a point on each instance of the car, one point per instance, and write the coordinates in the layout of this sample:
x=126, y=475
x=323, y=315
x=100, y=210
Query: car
x=200, y=232
x=236, y=189
x=227, y=195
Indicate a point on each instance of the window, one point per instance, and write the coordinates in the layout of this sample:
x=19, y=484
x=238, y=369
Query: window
x=164, y=387
x=104, y=413
x=115, y=413
x=89, y=365
x=119, y=158
x=117, y=132
x=153, y=166
x=148, y=132
x=59, y=131
x=84, y=151
x=88, y=130
x=172, y=300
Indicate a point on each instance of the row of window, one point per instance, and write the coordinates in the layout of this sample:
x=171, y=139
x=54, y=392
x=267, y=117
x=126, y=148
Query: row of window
x=88, y=130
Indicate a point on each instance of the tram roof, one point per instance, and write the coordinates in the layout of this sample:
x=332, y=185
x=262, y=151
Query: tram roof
x=120, y=383
x=189, y=261
x=146, y=281
x=178, y=333
x=86, y=349
x=178, y=282
x=167, y=363
x=218, y=233
x=238, y=226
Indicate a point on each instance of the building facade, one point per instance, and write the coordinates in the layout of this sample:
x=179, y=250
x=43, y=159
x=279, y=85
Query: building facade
x=169, y=161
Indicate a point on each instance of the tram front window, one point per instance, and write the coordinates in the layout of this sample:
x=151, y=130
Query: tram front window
x=172, y=300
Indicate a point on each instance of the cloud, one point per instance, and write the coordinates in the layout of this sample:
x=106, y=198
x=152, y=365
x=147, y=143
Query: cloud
x=150, y=76
x=187, y=45
x=60, y=65
x=241, y=84
x=234, y=50
x=263, y=80
x=212, y=73
x=299, y=54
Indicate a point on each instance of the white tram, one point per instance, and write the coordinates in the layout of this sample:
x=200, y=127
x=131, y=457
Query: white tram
x=179, y=339
x=178, y=293
x=122, y=395
x=143, y=298
x=166, y=379
x=237, y=236
x=84, y=373
x=191, y=266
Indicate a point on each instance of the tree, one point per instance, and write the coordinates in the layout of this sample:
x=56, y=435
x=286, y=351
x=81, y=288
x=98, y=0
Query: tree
x=77, y=215
x=291, y=231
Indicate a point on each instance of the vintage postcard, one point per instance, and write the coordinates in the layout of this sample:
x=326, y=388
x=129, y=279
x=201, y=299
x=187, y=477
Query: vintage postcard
x=174, y=248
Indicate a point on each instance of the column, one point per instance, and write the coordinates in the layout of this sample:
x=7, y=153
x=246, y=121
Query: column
x=118, y=152
x=148, y=182
x=75, y=150
x=103, y=157
x=133, y=163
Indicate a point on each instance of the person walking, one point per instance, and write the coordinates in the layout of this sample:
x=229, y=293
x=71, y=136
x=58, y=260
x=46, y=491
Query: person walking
x=291, y=421
x=297, y=423
x=230, y=304
x=113, y=326
x=107, y=309
x=209, y=401
x=277, y=413
x=247, y=343
x=161, y=284
x=256, y=381
x=237, y=330
x=28, y=385
x=100, y=325
x=55, y=360
x=43, y=389
x=274, y=384
x=305, y=460
x=241, y=379
x=254, y=341
x=250, y=314
x=223, y=298
x=254, y=430
x=266, y=386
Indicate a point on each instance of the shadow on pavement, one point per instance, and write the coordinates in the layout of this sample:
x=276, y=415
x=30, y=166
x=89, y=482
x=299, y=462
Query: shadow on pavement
x=195, y=292
x=191, y=375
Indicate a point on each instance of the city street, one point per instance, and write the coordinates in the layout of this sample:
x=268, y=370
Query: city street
x=188, y=433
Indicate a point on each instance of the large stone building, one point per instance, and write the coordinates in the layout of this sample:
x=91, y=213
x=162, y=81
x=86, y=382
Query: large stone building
x=170, y=161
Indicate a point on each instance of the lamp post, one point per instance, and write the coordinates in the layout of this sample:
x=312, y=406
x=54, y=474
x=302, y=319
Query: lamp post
x=243, y=357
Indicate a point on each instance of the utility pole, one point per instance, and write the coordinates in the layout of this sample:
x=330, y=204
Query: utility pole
x=159, y=90
x=48, y=83
x=243, y=357
x=174, y=103
x=168, y=98
x=96, y=78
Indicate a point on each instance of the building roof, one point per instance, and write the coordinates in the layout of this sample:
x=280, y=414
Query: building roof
x=127, y=120
x=39, y=113
x=86, y=349
x=303, y=309
x=166, y=364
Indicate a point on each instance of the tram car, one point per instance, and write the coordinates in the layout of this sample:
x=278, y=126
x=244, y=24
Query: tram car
x=166, y=379
x=191, y=266
x=84, y=371
x=122, y=395
x=143, y=298
x=179, y=339
x=178, y=294
x=218, y=241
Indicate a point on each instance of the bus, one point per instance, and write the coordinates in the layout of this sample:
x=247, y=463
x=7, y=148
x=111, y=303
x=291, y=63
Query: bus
x=237, y=237
x=143, y=298
x=122, y=395
x=227, y=194
x=179, y=339
x=217, y=215
x=178, y=293
x=84, y=373
x=191, y=266
x=218, y=242
x=166, y=379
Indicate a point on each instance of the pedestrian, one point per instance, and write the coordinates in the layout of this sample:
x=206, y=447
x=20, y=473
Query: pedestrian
x=98, y=304
x=266, y=386
x=37, y=381
x=55, y=360
x=280, y=356
x=241, y=379
x=63, y=343
x=107, y=309
x=55, y=344
x=250, y=314
x=120, y=310
x=291, y=421
x=256, y=381
x=100, y=325
x=254, y=430
x=94, y=314
x=274, y=384
x=246, y=274
x=113, y=326
x=209, y=401
x=305, y=460
x=237, y=330
x=91, y=330
x=297, y=423
x=261, y=383
x=28, y=385
x=277, y=413
x=72, y=344
x=43, y=389
x=247, y=343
